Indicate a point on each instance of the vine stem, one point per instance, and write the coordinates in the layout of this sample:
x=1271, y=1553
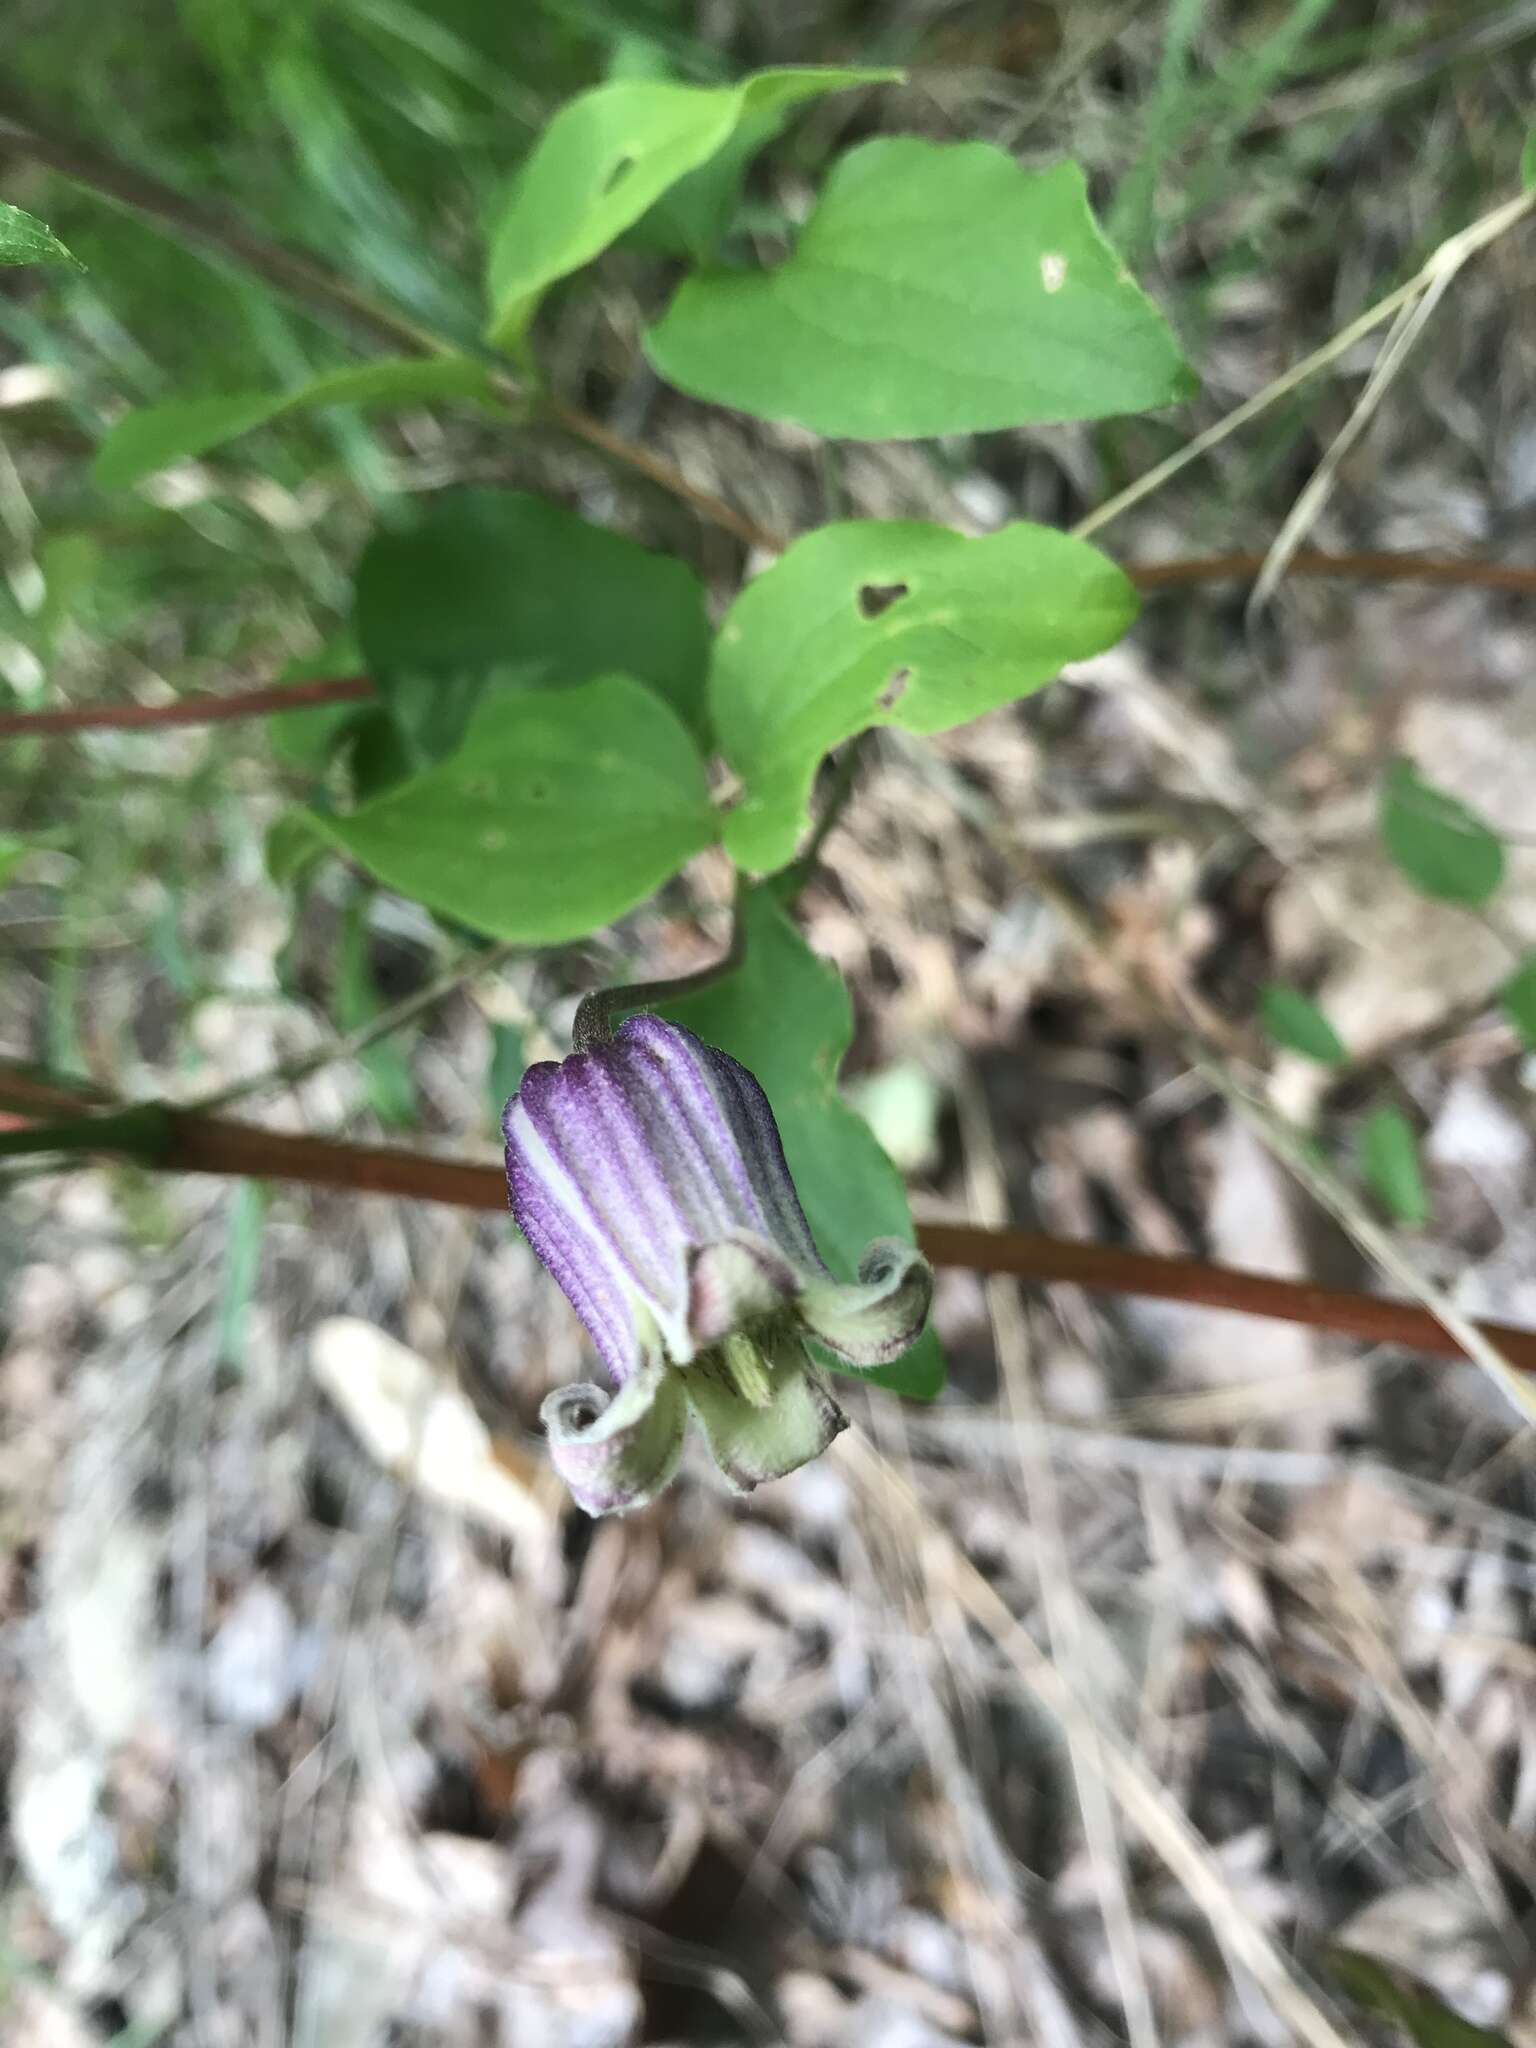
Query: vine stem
x=175, y=1140
x=595, y=1013
x=199, y=710
x=1149, y=577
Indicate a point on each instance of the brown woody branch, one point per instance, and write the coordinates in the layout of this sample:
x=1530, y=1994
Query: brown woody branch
x=201, y=710
x=1151, y=577
x=195, y=1143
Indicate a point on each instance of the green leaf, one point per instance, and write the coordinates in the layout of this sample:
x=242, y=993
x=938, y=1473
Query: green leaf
x=13, y=852
x=24, y=239
x=481, y=579
x=560, y=811
x=294, y=843
x=689, y=220
x=1294, y=1021
x=1443, y=848
x=887, y=622
x=70, y=563
x=157, y=435
x=785, y=1014
x=1518, y=999
x=1389, y=1159
x=606, y=158
x=939, y=288
x=1528, y=162
x=1421, y=2013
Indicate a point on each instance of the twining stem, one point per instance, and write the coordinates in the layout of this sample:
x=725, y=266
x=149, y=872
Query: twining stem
x=597, y=1013
x=1149, y=577
x=186, y=1141
x=845, y=775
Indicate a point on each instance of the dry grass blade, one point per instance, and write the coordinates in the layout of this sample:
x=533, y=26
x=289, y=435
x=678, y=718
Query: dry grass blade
x=1140, y=1798
x=1447, y=259
x=1406, y=329
x=1065, y=1617
x=1378, y=1244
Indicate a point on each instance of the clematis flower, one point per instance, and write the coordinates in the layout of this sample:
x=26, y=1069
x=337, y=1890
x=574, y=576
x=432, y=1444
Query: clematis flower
x=648, y=1176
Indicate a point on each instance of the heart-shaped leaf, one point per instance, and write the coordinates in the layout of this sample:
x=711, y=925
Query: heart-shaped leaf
x=939, y=288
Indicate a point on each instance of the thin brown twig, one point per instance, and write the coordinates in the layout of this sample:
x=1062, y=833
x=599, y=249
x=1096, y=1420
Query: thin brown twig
x=196, y=1143
x=1149, y=577
x=715, y=511
x=200, y=710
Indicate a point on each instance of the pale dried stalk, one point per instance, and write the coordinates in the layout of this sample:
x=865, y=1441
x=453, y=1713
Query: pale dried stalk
x=1141, y=1800
x=1448, y=258
x=988, y=1202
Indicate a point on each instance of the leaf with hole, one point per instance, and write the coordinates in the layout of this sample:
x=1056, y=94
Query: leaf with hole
x=1294, y=1021
x=1517, y=998
x=785, y=1014
x=155, y=436
x=604, y=161
x=561, y=810
x=483, y=579
x=890, y=622
x=939, y=288
x=24, y=239
x=1439, y=843
x=1389, y=1159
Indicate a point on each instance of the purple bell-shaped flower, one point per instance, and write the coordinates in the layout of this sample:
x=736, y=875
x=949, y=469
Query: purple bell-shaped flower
x=648, y=1176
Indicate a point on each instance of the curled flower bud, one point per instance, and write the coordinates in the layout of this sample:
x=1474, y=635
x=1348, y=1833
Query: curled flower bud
x=648, y=1176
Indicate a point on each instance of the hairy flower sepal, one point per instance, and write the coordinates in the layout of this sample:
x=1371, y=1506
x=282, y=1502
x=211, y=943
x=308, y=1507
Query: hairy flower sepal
x=648, y=1175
